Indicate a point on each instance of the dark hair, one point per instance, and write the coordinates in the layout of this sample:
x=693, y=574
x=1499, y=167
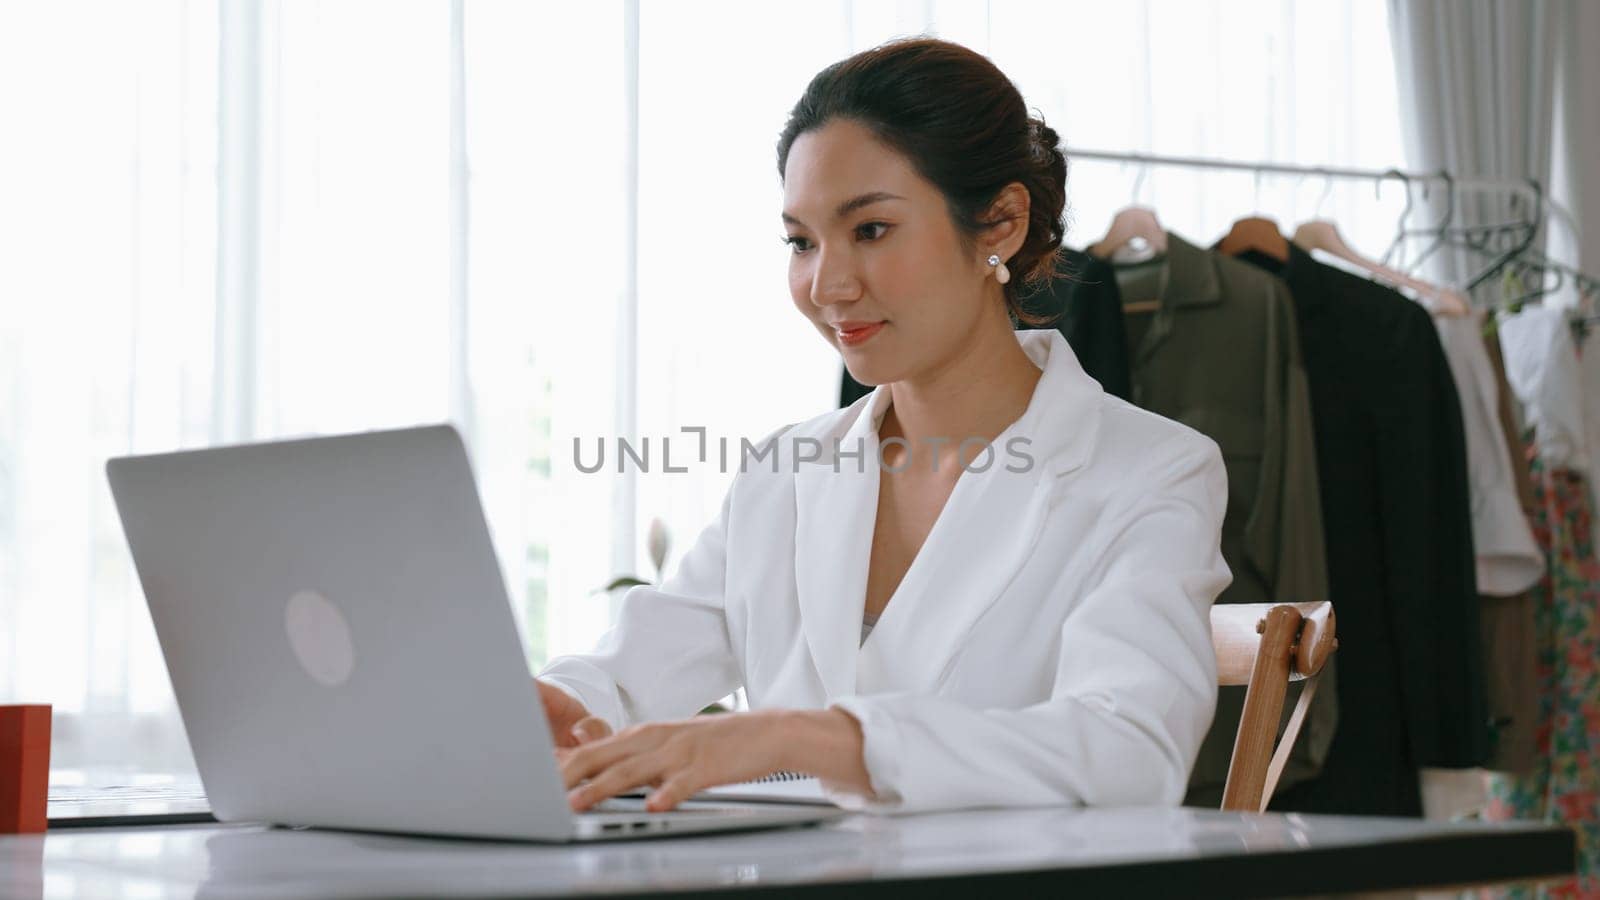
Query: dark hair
x=963, y=125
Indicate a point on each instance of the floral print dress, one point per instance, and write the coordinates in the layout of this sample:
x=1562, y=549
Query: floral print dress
x=1564, y=785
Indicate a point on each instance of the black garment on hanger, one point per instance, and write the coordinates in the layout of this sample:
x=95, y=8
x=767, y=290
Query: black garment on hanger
x=1083, y=304
x=1391, y=460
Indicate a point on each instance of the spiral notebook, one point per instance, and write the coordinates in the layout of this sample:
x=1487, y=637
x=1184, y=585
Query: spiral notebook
x=780, y=787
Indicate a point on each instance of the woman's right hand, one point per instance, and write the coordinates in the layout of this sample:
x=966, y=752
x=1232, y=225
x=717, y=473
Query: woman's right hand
x=570, y=722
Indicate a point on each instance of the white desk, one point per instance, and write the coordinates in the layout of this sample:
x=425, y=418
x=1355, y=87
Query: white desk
x=1174, y=852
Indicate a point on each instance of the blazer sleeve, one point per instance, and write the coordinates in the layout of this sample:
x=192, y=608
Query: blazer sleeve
x=1135, y=684
x=668, y=655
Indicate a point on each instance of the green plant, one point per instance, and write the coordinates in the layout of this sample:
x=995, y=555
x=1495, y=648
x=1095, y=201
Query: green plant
x=657, y=541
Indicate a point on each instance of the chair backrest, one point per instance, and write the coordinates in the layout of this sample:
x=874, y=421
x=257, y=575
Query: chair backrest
x=1265, y=646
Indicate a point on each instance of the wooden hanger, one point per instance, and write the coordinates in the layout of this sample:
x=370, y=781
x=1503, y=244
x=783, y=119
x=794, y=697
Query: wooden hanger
x=1324, y=235
x=1258, y=234
x=1134, y=222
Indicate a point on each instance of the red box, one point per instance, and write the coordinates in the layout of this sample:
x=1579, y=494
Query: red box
x=24, y=768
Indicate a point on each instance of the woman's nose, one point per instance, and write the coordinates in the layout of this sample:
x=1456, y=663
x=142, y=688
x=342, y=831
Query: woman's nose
x=834, y=280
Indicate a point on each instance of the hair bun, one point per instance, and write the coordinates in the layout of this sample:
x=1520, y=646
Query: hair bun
x=1046, y=143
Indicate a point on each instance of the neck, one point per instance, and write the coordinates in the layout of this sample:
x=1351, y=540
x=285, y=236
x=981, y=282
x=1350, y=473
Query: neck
x=977, y=391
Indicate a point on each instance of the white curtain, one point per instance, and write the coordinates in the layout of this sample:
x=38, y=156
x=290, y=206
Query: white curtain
x=1479, y=85
x=1577, y=136
x=254, y=219
x=262, y=218
x=108, y=207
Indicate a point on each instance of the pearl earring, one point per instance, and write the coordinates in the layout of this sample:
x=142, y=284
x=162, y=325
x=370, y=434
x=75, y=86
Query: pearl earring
x=1001, y=273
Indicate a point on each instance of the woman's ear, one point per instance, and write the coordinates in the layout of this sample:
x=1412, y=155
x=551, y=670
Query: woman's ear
x=1009, y=217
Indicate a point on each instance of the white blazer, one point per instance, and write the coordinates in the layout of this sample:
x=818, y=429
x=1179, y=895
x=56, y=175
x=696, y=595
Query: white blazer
x=1049, y=644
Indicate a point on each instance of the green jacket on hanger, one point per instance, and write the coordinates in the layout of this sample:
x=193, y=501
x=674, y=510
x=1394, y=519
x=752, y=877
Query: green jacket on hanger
x=1221, y=354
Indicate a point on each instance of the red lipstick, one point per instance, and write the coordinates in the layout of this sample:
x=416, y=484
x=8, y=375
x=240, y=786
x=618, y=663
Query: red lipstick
x=854, y=334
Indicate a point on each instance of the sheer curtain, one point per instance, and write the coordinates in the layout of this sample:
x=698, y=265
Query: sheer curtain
x=107, y=274
x=545, y=223
x=376, y=256
x=1481, y=99
x=1256, y=80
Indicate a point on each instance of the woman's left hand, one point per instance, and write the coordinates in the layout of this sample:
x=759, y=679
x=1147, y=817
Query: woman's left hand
x=677, y=758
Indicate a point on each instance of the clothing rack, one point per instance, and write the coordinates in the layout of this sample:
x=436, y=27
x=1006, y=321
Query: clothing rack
x=1528, y=190
x=1527, y=194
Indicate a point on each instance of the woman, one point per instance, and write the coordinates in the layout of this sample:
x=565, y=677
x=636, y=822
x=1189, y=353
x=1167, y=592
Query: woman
x=1043, y=556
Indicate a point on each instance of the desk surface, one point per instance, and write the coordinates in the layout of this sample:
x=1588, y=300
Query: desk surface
x=1128, y=852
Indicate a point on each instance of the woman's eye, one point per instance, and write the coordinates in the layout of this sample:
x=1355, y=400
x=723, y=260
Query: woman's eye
x=869, y=231
x=865, y=230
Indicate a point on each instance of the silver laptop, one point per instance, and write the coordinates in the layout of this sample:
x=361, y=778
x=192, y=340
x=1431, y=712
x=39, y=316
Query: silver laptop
x=342, y=648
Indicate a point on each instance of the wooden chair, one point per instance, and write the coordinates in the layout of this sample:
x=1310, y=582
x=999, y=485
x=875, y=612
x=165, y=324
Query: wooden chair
x=1266, y=646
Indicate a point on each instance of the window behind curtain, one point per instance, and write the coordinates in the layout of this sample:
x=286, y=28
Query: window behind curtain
x=107, y=252
x=109, y=235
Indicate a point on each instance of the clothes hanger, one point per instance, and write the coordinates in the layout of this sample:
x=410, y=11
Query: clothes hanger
x=1135, y=236
x=1255, y=233
x=1133, y=223
x=1539, y=276
x=1134, y=229
x=1521, y=236
x=1514, y=292
x=1534, y=279
x=1399, y=225
x=1439, y=232
x=1510, y=248
x=1323, y=235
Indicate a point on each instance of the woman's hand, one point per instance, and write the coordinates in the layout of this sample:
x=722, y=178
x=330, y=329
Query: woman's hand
x=570, y=722
x=681, y=758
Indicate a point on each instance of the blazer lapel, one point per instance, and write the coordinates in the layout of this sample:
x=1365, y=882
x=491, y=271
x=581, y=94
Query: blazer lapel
x=836, y=508
x=989, y=528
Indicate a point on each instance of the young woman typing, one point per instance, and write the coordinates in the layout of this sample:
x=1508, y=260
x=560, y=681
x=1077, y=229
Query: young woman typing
x=985, y=583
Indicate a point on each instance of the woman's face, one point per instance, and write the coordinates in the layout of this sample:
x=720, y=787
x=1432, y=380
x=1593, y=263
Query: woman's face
x=877, y=264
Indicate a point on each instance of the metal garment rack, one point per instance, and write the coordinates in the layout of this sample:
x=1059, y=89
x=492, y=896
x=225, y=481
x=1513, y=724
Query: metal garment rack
x=1528, y=194
x=1529, y=190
